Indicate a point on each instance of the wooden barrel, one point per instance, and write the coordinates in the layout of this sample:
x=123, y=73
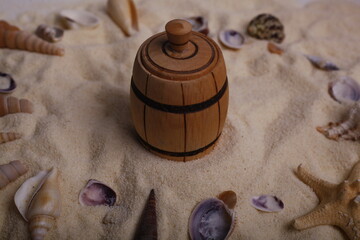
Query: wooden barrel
x=179, y=93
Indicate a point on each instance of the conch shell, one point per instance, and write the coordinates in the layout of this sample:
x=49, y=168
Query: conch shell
x=12, y=37
x=42, y=207
x=124, y=14
x=10, y=105
x=10, y=172
x=8, y=137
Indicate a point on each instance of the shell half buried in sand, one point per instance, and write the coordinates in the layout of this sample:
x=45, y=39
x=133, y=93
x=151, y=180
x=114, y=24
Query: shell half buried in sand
x=267, y=203
x=48, y=33
x=77, y=19
x=7, y=83
x=321, y=63
x=199, y=24
x=96, y=193
x=231, y=39
x=345, y=90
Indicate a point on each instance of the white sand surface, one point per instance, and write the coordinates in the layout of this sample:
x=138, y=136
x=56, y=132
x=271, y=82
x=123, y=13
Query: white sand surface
x=82, y=123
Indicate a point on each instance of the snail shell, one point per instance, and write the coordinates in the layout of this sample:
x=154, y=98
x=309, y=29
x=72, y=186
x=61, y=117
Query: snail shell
x=266, y=26
x=8, y=137
x=9, y=104
x=10, y=172
x=11, y=37
x=124, y=14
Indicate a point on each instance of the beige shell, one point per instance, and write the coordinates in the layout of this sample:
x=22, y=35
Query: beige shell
x=9, y=136
x=9, y=104
x=10, y=172
x=13, y=38
x=124, y=14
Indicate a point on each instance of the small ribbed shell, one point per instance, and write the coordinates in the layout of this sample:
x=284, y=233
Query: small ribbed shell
x=9, y=104
x=13, y=38
x=10, y=172
x=8, y=137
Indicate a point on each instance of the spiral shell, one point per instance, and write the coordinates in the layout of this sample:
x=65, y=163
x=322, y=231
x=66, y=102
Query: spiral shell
x=9, y=104
x=10, y=172
x=8, y=137
x=124, y=14
x=13, y=38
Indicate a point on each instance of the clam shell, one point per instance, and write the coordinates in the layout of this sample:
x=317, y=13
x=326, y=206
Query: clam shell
x=76, y=19
x=50, y=34
x=7, y=83
x=267, y=203
x=231, y=39
x=199, y=24
x=267, y=27
x=321, y=63
x=345, y=90
x=96, y=193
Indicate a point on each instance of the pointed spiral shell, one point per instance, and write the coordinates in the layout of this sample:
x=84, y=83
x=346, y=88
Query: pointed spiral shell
x=11, y=37
x=9, y=104
x=10, y=172
x=8, y=137
x=147, y=229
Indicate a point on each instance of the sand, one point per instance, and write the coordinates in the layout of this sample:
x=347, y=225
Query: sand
x=82, y=124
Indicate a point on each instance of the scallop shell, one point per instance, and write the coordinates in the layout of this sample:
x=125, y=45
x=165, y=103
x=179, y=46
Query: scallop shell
x=147, y=229
x=199, y=24
x=266, y=26
x=124, y=14
x=345, y=90
x=7, y=83
x=212, y=218
x=77, y=19
x=231, y=39
x=267, y=203
x=10, y=172
x=50, y=34
x=8, y=137
x=96, y=193
x=11, y=37
x=9, y=105
x=321, y=63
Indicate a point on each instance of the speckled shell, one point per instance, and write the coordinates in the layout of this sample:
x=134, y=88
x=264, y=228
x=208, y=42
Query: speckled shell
x=9, y=105
x=266, y=26
x=9, y=136
x=10, y=172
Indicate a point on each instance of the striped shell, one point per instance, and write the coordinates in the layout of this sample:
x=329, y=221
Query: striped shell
x=10, y=172
x=266, y=27
x=9, y=105
x=8, y=137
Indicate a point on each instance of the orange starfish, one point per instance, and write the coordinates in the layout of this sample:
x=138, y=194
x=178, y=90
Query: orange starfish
x=339, y=204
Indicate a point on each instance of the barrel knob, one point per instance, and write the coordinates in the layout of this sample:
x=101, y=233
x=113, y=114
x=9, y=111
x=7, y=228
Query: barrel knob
x=178, y=32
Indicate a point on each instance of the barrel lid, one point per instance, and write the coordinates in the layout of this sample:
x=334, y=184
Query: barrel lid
x=179, y=53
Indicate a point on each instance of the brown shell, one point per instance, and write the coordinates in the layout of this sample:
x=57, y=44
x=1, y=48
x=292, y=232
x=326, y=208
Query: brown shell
x=267, y=27
x=8, y=137
x=10, y=172
x=11, y=37
x=9, y=104
x=147, y=229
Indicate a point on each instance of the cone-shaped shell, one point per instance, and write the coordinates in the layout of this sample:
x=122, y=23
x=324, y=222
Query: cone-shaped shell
x=45, y=207
x=11, y=37
x=124, y=14
x=9, y=104
x=10, y=172
x=8, y=137
x=147, y=229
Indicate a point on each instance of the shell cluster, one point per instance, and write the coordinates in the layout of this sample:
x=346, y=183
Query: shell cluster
x=10, y=172
x=124, y=14
x=266, y=27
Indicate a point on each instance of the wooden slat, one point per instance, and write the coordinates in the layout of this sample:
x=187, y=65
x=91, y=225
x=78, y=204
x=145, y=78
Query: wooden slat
x=137, y=114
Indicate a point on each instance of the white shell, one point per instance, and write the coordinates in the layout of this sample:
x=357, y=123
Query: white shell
x=267, y=203
x=27, y=190
x=321, y=63
x=231, y=39
x=345, y=90
x=48, y=33
x=76, y=19
x=124, y=14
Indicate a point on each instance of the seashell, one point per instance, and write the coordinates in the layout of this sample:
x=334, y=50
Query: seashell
x=212, y=218
x=77, y=19
x=10, y=172
x=11, y=37
x=96, y=193
x=7, y=83
x=147, y=229
x=231, y=39
x=266, y=26
x=322, y=64
x=8, y=137
x=273, y=48
x=40, y=207
x=50, y=34
x=124, y=14
x=344, y=90
x=267, y=203
x=199, y=24
x=9, y=105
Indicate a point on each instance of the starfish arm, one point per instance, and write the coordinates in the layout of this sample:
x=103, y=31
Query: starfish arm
x=355, y=172
x=322, y=215
x=321, y=188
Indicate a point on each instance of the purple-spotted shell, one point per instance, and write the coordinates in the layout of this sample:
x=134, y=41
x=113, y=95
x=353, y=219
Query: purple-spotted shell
x=267, y=203
x=231, y=39
x=321, y=63
x=96, y=193
x=199, y=24
x=7, y=83
x=345, y=90
x=212, y=218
